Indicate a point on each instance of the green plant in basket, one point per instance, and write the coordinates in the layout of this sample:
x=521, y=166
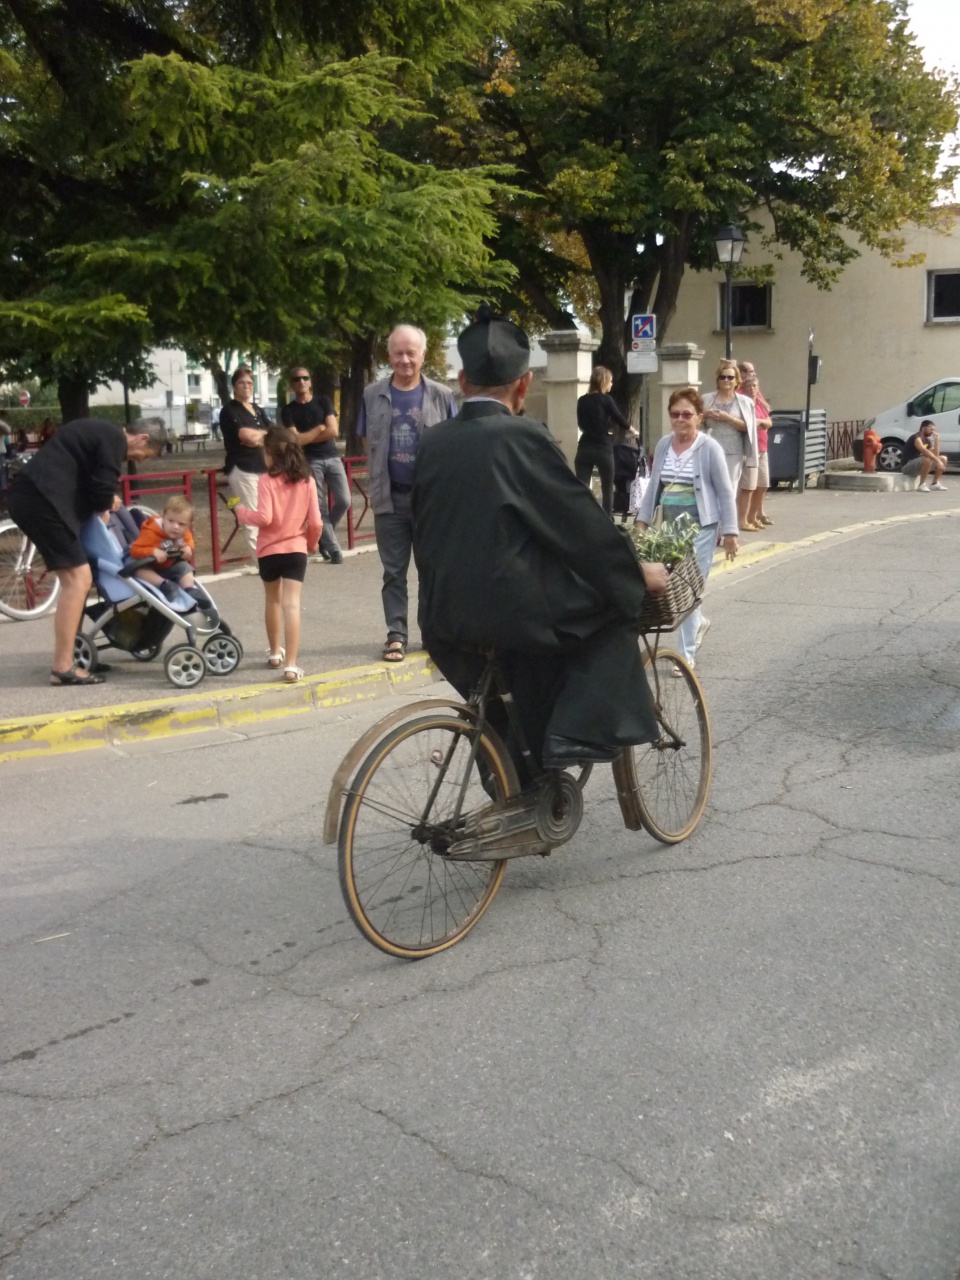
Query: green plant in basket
x=667, y=545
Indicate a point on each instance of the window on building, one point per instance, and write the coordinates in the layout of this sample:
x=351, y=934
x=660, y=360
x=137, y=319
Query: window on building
x=943, y=398
x=943, y=295
x=751, y=306
x=193, y=381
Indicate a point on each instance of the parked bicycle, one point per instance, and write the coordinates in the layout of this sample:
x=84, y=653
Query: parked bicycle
x=427, y=822
x=28, y=589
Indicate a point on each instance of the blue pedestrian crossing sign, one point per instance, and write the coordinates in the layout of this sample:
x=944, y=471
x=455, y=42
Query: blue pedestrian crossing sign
x=644, y=327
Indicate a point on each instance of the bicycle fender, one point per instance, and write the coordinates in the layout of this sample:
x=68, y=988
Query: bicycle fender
x=625, y=780
x=360, y=749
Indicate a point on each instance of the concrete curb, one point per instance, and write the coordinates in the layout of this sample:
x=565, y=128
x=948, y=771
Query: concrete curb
x=234, y=710
x=764, y=550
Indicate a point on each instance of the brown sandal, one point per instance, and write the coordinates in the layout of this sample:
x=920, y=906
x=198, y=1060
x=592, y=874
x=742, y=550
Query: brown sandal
x=395, y=649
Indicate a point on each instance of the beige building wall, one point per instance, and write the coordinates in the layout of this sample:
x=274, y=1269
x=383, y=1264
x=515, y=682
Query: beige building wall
x=870, y=329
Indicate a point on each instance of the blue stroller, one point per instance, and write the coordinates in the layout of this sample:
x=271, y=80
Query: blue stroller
x=136, y=617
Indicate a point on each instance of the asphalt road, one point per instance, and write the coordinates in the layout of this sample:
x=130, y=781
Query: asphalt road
x=733, y=1060
x=342, y=614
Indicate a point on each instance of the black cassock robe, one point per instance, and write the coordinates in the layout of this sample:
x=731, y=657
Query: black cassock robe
x=515, y=553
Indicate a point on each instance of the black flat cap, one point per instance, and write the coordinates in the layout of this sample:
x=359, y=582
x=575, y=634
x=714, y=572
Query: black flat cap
x=494, y=351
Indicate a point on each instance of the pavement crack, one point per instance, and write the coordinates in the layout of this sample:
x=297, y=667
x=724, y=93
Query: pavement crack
x=466, y=1170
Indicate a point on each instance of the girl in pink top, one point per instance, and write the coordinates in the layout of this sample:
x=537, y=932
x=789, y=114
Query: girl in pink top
x=288, y=517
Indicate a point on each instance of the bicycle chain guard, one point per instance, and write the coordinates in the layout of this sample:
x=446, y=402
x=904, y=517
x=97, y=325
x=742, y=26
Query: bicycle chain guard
x=530, y=823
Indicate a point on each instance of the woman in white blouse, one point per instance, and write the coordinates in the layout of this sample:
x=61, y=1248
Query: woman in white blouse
x=731, y=418
x=690, y=476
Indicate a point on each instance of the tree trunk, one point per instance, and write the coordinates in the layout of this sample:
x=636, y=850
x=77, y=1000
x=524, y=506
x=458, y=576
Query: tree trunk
x=220, y=380
x=363, y=360
x=609, y=259
x=324, y=378
x=673, y=257
x=74, y=395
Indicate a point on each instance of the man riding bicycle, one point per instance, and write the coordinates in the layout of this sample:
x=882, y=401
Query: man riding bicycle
x=515, y=554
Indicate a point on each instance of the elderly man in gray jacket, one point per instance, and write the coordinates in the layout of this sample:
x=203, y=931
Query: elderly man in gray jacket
x=394, y=414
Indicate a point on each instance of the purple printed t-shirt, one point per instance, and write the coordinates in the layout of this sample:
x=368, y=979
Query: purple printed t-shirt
x=406, y=417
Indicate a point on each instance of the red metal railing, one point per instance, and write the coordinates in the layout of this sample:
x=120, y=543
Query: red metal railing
x=218, y=492
x=358, y=475
x=143, y=487
x=840, y=437
x=359, y=526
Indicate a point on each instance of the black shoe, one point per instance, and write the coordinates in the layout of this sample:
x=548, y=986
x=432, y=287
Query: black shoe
x=324, y=554
x=335, y=557
x=559, y=752
x=170, y=590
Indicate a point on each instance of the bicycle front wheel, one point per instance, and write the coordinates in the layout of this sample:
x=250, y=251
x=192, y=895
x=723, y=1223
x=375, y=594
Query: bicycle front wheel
x=28, y=589
x=672, y=775
x=401, y=813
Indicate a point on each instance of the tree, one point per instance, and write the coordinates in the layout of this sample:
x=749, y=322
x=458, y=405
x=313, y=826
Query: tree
x=295, y=227
x=214, y=177
x=639, y=126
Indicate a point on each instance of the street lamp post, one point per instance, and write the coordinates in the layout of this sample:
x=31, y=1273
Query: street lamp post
x=729, y=241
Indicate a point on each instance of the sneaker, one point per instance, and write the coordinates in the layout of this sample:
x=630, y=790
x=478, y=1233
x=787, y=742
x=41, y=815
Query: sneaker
x=702, y=630
x=923, y=488
x=335, y=557
x=170, y=590
x=937, y=485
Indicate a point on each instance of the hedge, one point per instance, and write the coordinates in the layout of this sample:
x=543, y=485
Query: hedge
x=32, y=419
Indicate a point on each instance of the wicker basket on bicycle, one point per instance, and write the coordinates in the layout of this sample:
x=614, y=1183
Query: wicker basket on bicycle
x=683, y=594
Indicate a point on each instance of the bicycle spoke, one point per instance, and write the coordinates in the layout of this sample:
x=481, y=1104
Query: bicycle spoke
x=398, y=822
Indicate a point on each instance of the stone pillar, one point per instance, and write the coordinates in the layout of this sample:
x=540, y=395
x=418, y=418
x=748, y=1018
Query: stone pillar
x=569, y=366
x=679, y=367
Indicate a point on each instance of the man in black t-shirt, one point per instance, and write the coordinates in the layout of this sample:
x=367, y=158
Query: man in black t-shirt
x=315, y=420
x=924, y=457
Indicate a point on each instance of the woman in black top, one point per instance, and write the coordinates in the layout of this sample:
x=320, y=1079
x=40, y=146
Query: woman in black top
x=597, y=414
x=243, y=425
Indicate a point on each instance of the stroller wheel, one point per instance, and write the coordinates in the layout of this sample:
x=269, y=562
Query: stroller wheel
x=184, y=666
x=145, y=655
x=222, y=654
x=84, y=653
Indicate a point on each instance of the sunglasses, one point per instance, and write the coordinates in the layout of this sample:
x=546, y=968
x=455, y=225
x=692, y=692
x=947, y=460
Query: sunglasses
x=726, y=377
x=683, y=416
x=300, y=377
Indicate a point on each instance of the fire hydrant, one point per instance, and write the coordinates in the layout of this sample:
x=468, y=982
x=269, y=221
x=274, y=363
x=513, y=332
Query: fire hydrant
x=871, y=447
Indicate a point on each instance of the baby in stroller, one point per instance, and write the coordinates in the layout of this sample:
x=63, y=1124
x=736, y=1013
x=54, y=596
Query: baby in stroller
x=136, y=616
x=168, y=539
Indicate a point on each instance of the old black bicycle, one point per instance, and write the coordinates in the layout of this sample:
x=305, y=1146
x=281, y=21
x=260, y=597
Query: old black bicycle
x=427, y=808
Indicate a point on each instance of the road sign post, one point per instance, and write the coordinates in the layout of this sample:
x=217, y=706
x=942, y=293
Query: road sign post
x=24, y=398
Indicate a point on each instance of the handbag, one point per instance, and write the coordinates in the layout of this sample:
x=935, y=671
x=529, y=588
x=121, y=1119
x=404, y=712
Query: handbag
x=639, y=486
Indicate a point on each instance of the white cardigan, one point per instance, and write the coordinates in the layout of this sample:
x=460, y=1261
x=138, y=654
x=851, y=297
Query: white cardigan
x=748, y=411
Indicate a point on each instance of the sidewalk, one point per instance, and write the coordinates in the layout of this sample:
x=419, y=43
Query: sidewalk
x=343, y=626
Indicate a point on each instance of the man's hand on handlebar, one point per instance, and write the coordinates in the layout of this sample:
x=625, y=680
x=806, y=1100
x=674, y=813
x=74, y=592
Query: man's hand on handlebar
x=655, y=577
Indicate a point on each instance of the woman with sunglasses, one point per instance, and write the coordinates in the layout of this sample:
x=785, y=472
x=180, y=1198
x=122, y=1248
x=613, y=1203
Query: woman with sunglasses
x=731, y=419
x=690, y=477
x=243, y=425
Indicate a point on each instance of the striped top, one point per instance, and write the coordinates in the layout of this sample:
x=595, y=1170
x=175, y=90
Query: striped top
x=678, y=497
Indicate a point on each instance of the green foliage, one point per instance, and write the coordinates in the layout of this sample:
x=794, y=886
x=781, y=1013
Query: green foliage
x=33, y=418
x=217, y=177
x=641, y=126
x=672, y=542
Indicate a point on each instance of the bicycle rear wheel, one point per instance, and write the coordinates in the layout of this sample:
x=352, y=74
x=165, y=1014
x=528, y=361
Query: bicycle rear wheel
x=404, y=894
x=28, y=589
x=671, y=776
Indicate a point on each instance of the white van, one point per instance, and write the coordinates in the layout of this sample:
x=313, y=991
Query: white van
x=940, y=402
